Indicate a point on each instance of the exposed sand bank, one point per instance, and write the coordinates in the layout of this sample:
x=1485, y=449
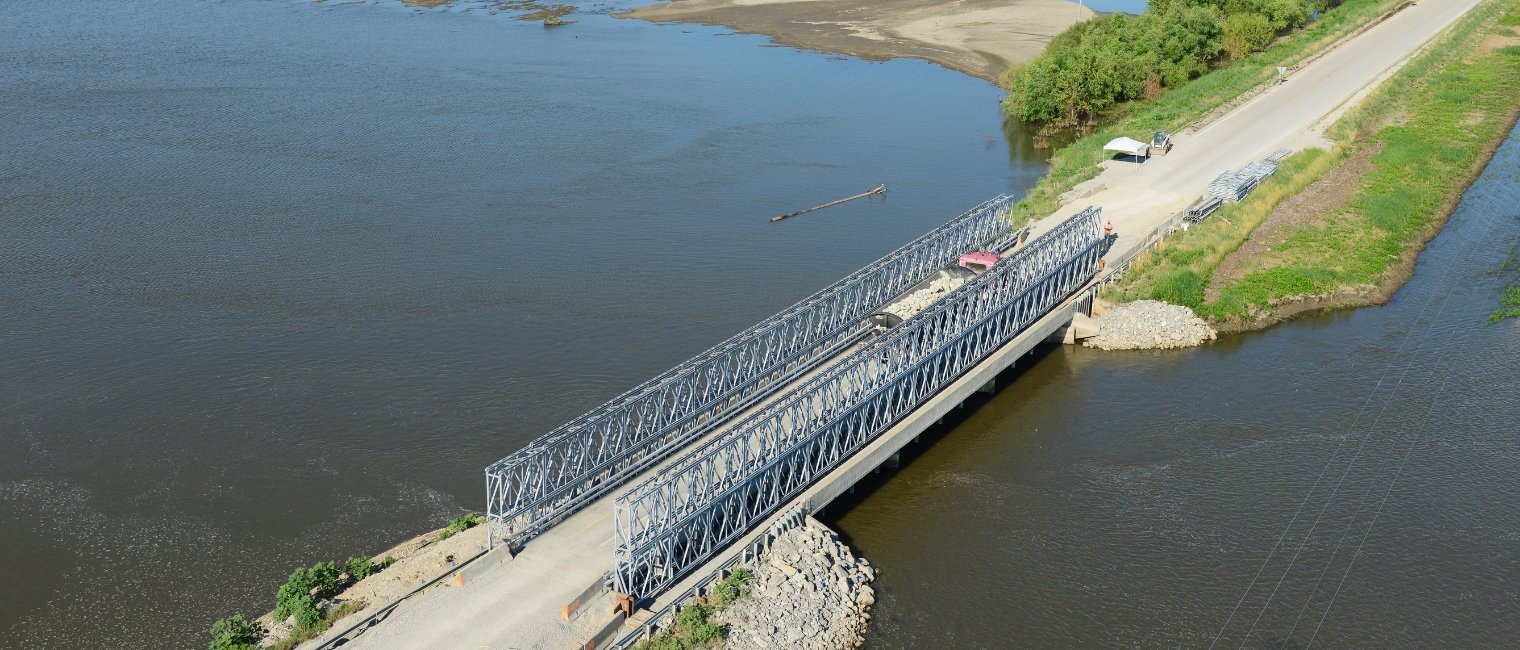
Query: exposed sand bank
x=978, y=37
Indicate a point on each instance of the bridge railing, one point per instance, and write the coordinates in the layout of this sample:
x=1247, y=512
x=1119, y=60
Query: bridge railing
x=672, y=523
x=557, y=474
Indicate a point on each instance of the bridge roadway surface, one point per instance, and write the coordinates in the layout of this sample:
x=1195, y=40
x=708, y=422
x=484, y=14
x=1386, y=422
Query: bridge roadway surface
x=518, y=605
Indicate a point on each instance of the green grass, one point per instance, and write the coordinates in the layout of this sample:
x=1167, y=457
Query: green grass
x=1433, y=120
x=1180, y=106
x=1181, y=267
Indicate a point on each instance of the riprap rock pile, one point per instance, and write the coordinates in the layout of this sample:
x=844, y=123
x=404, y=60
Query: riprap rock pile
x=811, y=592
x=921, y=299
x=1149, y=325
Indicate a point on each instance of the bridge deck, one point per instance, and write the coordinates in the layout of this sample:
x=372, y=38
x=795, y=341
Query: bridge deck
x=519, y=605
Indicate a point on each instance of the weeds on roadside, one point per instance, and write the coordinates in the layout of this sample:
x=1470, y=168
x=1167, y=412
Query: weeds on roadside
x=460, y=525
x=324, y=623
x=1180, y=269
x=694, y=627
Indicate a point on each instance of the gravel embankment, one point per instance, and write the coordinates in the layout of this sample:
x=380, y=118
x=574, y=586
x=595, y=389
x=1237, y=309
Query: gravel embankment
x=811, y=593
x=1149, y=325
x=921, y=299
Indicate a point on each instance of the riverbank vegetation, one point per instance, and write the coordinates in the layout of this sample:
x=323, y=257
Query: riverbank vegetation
x=694, y=627
x=1418, y=141
x=1166, y=107
x=1118, y=57
x=1509, y=298
x=301, y=600
x=460, y=525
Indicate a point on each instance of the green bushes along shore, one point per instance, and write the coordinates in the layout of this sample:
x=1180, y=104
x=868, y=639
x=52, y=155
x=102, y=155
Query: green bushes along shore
x=1118, y=57
x=298, y=598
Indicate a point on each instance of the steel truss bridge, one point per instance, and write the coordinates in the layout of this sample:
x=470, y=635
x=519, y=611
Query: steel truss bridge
x=578, y=463
x=676, y=521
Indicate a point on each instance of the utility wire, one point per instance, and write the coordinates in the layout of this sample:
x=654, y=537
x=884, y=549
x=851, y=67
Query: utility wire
x=1398, y=473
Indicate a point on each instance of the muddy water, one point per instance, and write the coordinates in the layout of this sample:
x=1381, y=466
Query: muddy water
x=1345, y=481
x=280, y=278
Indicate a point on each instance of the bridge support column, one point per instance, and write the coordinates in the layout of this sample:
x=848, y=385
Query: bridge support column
x=989, y=388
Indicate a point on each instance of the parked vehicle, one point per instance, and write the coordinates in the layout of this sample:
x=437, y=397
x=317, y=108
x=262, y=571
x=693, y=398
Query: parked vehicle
x=978, y=262
x=1161, y=144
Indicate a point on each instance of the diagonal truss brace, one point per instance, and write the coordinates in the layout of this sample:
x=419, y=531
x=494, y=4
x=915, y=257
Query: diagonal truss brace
x=565, y=469
x=669, y=524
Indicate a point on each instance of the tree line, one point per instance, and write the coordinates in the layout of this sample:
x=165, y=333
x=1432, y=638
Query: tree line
x=1119, y=57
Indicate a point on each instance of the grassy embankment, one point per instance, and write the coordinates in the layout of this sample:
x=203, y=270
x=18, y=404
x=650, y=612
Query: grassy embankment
x=1434, y=125
x=1177, y=107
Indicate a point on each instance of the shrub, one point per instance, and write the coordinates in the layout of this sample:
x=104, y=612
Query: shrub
x=236, y=633
x=732, y=588
x=693, y=624
x=694, y=627
x=292, y=594
x=1246, y=34
x=359, y=568
x=324, y=577
x=307, y=616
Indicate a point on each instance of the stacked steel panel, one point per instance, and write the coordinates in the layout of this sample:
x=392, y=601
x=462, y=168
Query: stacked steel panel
x=1234, y=186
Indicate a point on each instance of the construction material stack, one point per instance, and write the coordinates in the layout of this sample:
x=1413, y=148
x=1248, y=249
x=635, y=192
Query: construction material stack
x=1234, y=186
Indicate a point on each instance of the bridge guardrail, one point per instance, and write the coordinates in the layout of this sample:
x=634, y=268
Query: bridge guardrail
x=758, y=546
x=671, y=523
x=576, y=463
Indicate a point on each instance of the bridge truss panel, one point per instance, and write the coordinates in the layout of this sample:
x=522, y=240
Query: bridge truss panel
x=672, y=523
x=573, y=465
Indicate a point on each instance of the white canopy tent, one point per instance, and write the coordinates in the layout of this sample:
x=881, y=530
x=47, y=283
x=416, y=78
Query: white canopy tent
x=1130, y=146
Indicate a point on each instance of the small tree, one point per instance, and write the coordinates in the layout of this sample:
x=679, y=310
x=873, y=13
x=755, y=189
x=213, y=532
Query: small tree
x=1246, y=33
x=236, y=633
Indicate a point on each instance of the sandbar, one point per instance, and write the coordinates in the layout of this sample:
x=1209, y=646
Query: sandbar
x=981, y=38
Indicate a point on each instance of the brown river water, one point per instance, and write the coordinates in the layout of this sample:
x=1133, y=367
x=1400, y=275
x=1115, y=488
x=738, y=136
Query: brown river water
x=280, y=278
x=1347, y=480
